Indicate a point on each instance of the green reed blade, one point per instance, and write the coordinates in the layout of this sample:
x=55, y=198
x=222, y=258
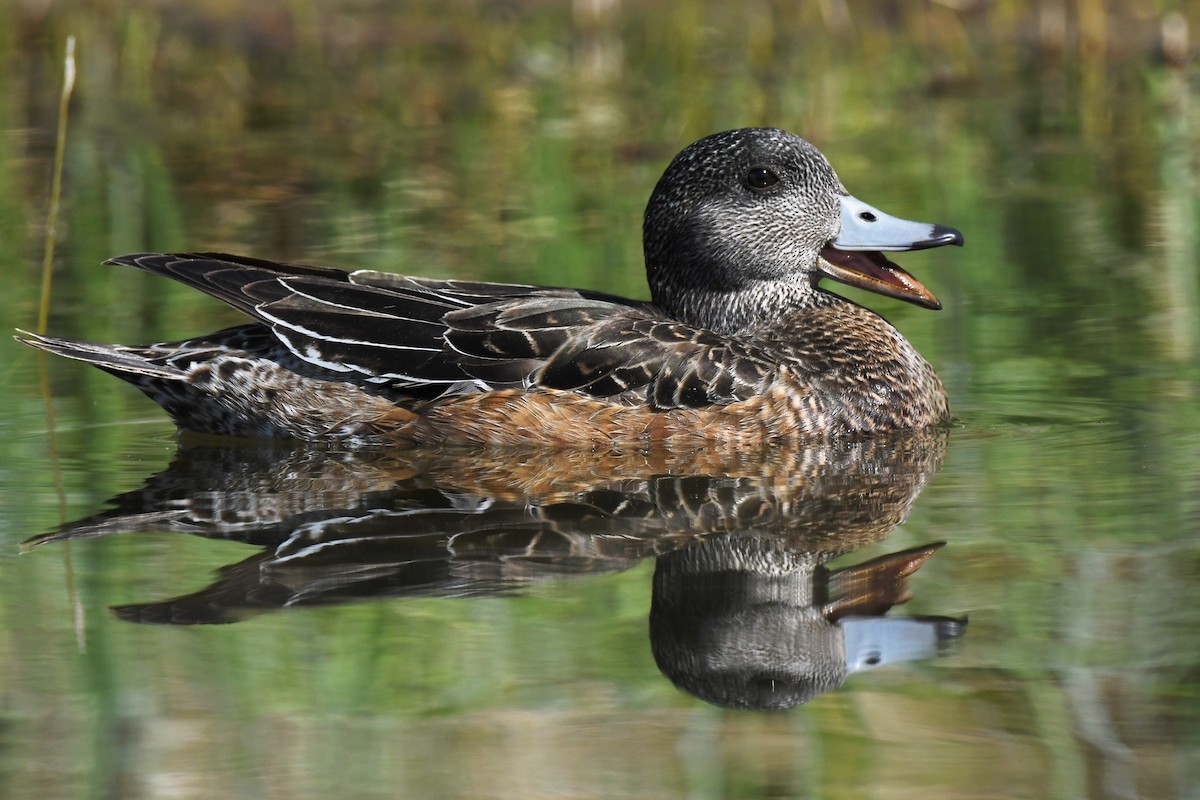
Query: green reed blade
x=60, y=147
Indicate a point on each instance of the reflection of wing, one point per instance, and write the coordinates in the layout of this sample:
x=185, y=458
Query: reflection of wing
x=409, y=552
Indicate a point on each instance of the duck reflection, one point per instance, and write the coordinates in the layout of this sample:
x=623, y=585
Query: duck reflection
x=744, y=611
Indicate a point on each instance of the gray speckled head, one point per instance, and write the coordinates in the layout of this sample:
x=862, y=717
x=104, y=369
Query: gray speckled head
x=743, y=223
x=711, y=228
x=735, y=620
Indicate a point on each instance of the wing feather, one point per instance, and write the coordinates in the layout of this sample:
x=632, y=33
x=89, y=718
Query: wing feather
x=426, y=337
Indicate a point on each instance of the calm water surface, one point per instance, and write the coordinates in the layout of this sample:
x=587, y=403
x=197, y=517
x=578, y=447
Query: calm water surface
x=236, y=619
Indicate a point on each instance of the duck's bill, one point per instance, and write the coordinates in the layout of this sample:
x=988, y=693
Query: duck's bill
x=878, y=641
x=865, y=227
x=873, y=272
x=855, y=256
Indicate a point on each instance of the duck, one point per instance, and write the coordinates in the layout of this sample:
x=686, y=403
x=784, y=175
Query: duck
x=740, y=344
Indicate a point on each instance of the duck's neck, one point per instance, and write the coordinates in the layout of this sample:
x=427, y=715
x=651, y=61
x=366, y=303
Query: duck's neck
x=731, y=311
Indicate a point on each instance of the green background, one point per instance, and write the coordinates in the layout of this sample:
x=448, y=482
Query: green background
x=518, y=141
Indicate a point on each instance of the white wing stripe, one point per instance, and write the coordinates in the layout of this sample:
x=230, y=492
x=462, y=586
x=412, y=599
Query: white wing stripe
x=323, y=302
x=313, y=356
x=277, y=323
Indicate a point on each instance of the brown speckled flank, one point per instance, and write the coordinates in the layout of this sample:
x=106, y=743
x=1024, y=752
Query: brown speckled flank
x=738, y=347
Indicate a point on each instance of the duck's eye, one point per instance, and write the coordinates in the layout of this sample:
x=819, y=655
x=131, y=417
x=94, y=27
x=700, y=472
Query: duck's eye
x=761, y=178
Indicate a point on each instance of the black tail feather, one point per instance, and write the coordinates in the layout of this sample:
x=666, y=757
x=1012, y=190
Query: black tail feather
x=119, y=360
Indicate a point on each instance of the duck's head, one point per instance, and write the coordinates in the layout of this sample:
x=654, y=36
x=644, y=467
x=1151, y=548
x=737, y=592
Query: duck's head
x=744, y=223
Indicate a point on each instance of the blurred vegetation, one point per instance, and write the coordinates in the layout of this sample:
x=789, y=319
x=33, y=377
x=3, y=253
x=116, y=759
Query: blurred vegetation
x=518, y=140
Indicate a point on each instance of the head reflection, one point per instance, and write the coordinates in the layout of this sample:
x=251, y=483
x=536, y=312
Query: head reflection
x=754, y=622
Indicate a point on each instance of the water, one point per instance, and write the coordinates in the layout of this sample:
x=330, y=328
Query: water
x=487, y=626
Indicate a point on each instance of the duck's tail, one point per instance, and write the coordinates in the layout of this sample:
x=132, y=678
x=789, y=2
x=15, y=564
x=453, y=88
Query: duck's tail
x=231, y=383
x=127, y=363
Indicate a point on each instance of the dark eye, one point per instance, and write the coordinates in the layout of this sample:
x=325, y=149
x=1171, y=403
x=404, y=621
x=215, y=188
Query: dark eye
x=867, y=216
x=761, y=178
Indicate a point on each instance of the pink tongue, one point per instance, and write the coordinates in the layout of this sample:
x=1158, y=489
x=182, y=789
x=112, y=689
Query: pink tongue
x=865, y=262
